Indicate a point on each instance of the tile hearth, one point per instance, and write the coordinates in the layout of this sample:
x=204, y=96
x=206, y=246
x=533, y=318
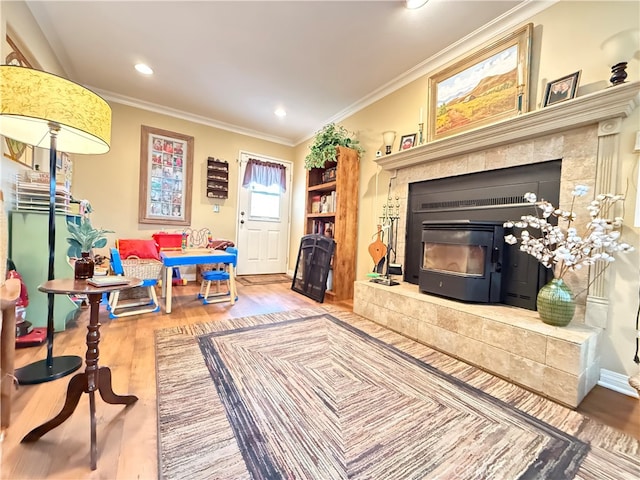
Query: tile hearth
x=561, y=363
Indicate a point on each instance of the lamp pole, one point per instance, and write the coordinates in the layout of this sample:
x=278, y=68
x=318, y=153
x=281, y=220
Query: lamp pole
x=51, y=367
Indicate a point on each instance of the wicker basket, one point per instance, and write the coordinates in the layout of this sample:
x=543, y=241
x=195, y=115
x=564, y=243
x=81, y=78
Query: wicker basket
x=142, y=268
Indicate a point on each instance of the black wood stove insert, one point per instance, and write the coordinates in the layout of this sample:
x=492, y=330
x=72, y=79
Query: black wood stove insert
x=463, y=260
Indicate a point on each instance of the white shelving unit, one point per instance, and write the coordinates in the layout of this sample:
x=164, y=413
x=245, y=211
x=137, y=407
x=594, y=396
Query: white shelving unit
x=32, y=194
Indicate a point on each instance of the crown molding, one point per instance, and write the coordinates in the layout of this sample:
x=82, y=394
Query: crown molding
x=502, y=25
x=499, y=26
x=190, y=117
x=612, y=102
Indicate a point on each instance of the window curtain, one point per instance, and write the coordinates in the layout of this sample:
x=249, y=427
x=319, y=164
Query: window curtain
x=266, y=174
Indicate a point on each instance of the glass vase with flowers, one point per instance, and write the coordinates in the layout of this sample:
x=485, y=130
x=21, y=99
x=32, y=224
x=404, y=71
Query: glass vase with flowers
x=562, y=248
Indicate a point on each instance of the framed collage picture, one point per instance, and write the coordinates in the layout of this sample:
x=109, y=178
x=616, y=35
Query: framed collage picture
x=166, y=175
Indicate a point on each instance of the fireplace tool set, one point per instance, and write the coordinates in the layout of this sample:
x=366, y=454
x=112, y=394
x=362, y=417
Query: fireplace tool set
x=378, y=250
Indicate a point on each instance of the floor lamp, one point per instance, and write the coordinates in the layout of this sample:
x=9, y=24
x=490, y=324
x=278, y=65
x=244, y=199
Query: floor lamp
x=41, y=109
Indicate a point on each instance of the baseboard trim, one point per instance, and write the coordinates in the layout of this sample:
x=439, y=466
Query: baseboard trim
x=617, y=382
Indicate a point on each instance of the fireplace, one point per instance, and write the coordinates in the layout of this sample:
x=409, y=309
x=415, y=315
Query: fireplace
x=483, y=198
x=560, y=363
x=462, y=260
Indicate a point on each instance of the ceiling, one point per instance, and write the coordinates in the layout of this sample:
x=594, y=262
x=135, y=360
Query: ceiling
x=230, y=64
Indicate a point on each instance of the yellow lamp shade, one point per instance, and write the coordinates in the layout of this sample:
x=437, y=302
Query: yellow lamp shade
x=32, y=101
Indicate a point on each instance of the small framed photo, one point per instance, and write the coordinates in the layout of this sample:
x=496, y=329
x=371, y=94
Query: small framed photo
x=407, y=141
x=562, y=89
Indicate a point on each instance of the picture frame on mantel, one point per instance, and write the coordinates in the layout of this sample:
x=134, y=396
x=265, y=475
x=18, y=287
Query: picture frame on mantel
x=407, y=141
x=489, y=85
x=166, y=177
x=562, y=89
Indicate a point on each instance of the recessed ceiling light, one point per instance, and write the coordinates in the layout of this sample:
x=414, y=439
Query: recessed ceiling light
x=145, y=69
x=280, y=112
x=413, y=4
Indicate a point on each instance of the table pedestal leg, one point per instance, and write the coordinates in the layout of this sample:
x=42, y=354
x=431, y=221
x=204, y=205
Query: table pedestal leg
x=77, y=386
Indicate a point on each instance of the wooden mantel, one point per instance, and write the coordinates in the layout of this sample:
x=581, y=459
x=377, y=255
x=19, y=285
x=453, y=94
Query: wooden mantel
x=612, y=102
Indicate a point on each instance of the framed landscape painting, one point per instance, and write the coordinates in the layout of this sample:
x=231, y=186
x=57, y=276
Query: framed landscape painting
x=489, y=85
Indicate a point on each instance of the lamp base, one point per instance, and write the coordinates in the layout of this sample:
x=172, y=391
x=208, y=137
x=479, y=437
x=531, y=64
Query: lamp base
x=618, y=73
x=39, y=372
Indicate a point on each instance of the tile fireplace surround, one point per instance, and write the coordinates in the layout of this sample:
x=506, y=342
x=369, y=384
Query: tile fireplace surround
x=560, y=363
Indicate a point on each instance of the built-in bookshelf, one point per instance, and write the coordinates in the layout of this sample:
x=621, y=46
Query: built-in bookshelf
x=332, y=210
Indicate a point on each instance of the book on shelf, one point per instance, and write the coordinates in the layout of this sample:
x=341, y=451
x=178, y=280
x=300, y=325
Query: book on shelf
x=322, y=227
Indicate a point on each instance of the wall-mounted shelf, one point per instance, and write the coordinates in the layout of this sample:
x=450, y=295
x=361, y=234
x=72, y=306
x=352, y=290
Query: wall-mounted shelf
x=217, y=178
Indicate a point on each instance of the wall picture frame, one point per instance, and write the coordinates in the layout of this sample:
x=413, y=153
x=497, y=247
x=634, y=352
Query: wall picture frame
x=17, y=151
x=407, y=141
x=488, y=85
x=166, y=177
x=562, y=89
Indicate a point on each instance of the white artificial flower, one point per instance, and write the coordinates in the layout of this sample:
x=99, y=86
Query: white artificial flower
x=580, y=191
x=566, y=248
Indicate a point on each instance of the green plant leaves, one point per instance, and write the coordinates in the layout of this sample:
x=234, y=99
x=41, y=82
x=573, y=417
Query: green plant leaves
x=83, y=237
x=324, y=146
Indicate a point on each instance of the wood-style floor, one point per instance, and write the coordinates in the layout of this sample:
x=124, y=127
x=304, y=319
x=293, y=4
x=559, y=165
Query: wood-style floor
x=127, y=437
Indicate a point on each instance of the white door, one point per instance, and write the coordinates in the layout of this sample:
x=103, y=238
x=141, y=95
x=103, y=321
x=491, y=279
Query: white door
x=263, y=223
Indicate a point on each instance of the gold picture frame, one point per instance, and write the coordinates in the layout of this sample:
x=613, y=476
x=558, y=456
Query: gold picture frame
x=166, y=177
x=489, y=85
x=17, y=151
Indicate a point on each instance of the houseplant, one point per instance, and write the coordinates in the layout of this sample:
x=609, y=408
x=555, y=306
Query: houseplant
x=323, y=148
x=82, y=240
x=563, y=248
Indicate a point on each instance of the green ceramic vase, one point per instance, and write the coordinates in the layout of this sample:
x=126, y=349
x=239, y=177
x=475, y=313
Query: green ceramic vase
x=556, y=304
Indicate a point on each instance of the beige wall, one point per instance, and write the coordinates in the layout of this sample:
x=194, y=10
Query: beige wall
x=567, y=37
x=111, y=181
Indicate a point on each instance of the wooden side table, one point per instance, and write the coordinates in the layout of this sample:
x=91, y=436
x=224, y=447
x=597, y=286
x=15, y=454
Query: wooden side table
x=94, y=377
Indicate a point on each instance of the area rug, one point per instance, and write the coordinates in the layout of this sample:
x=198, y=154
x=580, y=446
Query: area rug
x=312, y=394
x=265, y=279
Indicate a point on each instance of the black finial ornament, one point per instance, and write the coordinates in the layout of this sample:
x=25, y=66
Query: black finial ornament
x=618, y=73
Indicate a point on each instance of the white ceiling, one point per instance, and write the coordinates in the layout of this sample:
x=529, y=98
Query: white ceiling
x=232, y=63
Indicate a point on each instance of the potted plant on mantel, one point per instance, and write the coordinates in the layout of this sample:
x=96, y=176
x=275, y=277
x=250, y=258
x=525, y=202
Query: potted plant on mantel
x=323, y=148
x=84, y=238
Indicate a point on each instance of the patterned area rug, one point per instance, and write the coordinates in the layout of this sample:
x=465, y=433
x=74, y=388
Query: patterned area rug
x=315, y=394
x=266, y=279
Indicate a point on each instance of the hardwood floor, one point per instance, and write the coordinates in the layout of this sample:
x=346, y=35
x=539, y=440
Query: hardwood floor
x=127, y=437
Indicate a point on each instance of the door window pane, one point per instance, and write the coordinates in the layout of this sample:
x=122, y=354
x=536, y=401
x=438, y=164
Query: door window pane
x=264, y=203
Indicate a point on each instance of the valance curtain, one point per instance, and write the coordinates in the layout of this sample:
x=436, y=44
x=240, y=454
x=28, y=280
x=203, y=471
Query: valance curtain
x=265, y=173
